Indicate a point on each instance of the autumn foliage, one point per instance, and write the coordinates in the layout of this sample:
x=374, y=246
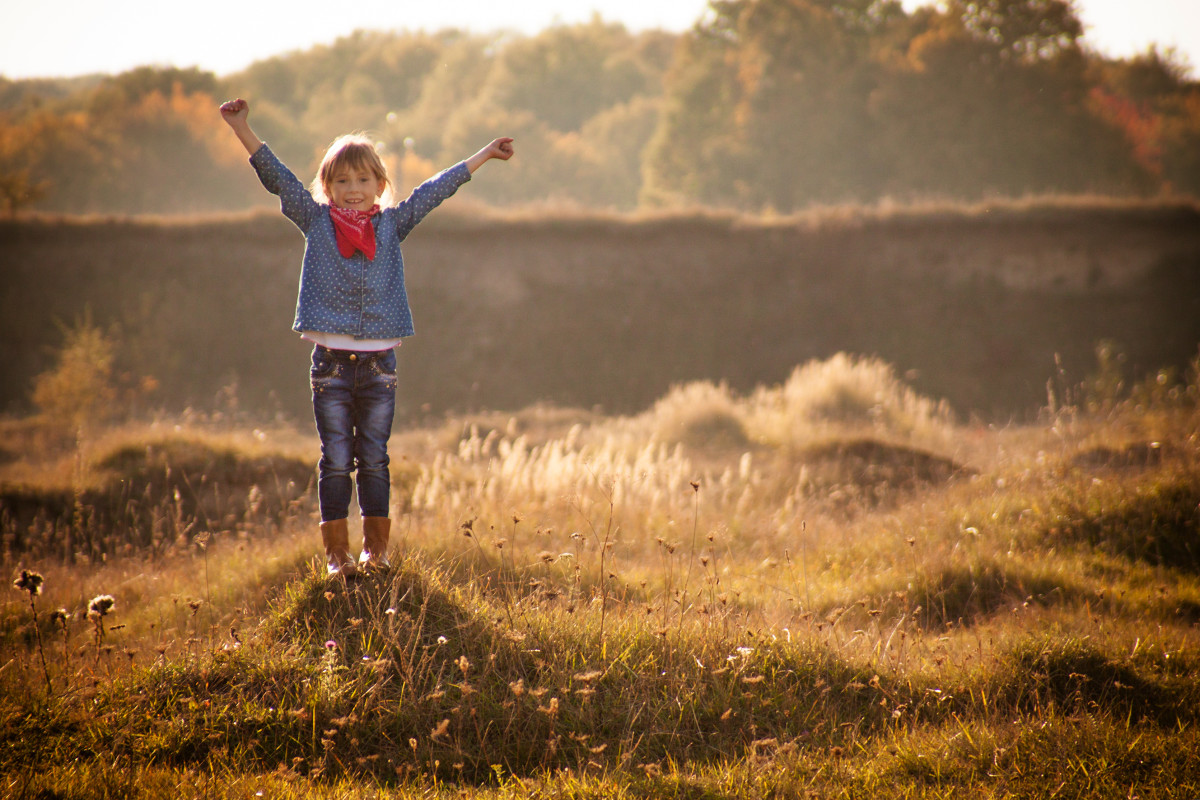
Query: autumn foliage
x=763, y=105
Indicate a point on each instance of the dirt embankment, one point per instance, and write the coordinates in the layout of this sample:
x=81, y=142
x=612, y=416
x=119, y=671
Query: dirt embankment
x=971, y=305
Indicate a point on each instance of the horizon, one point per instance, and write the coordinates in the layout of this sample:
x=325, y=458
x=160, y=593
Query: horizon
x=159, y=35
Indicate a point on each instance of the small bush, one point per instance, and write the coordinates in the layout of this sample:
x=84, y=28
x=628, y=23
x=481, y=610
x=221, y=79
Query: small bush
x=844, y=393
x=701, y=416
x=78, y=391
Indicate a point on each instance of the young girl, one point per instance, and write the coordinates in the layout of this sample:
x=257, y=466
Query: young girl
x=354, y=308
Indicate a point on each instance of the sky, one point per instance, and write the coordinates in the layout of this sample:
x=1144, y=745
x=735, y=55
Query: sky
x=66, y=38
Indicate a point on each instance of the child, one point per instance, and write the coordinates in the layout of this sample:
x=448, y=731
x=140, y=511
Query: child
x=354, y=308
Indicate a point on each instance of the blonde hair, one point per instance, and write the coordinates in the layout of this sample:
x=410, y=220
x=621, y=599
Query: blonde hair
x=353, y=151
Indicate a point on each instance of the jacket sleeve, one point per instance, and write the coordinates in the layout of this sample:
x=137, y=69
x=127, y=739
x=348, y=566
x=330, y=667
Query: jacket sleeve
x=428, y=196
x=295, y=200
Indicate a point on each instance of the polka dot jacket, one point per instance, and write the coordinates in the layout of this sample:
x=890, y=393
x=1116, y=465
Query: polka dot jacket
x=362, y=298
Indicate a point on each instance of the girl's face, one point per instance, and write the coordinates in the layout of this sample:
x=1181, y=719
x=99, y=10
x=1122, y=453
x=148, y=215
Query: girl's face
x=355, y=188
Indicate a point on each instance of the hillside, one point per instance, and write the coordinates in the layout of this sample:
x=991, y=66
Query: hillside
x=972, y=305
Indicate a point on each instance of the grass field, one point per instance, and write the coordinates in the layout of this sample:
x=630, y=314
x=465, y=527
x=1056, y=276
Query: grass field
x=825, y=588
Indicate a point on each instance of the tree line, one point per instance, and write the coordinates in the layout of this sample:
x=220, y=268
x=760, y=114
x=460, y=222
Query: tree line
x=763, y=105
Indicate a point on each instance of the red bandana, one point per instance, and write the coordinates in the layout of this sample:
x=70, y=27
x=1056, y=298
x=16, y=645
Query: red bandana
x=354, y=231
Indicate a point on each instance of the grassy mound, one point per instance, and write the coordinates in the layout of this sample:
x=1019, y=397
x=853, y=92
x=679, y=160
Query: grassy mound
x=874, y=471
x=1155, y=522
x=152, y=495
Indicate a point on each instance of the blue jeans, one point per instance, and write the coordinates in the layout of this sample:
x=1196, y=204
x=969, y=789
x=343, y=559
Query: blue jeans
x=354, y=400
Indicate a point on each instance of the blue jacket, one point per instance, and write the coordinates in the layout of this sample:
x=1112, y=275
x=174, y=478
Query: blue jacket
x=355, y=296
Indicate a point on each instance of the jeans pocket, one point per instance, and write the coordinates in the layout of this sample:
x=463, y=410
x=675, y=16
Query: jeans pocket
x=323, y=364
x=383, y=370
x=385, y=363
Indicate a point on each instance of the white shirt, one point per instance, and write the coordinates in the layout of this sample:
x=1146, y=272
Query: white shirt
x=344, y=341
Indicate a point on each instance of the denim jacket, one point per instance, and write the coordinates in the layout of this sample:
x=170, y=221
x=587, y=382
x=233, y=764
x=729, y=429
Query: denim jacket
x=355, y=296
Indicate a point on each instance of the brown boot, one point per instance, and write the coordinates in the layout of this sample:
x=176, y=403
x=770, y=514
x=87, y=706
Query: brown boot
x=375, y=543
x=336, y=536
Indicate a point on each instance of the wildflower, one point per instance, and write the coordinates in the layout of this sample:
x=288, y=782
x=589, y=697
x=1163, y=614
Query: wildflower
x=100, y=606
x=441, y=729
x=463, y=664
x=29, y=581
x=331, y=645
x=60, y=617
x=441, y=640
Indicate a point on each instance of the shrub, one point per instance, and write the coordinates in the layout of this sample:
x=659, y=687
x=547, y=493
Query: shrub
x=699, y=415
x=78, y=391
x=845, y=392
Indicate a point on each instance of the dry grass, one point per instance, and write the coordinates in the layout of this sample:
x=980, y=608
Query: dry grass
x=865, y=598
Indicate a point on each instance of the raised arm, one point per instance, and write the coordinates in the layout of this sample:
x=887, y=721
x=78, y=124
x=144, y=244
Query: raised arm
x=294, y=199
x=236, y=114
x=432, y=192
x=500, y=148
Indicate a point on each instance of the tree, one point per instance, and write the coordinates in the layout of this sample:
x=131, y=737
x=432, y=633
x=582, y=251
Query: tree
x=994, y=98
x=767, y=104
